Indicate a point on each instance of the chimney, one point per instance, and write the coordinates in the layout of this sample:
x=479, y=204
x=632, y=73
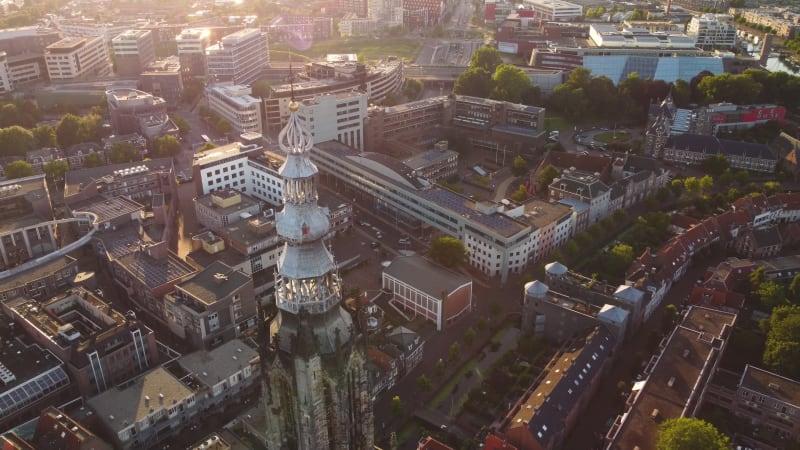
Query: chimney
x=146, y=400
x=160, y=398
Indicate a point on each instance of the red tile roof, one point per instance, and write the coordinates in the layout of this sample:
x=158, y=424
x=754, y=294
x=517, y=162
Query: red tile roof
x=495, y=442
x=430, y=443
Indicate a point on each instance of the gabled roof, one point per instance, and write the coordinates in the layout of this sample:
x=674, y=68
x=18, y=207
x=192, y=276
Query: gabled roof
x=711, y=145
x=766, y=237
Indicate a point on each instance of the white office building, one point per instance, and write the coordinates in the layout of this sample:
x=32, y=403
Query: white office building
x=712, y=31
x=239, y=57
x=349, y=110
x=555, y=10
x=352, y=25
x=77, y=58
x=133, y=50
x=192, y=45
x=6, y=85
x=237, y=106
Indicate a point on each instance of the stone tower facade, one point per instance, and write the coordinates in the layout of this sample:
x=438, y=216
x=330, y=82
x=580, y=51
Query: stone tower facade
x=658, y=127
x=316, y=395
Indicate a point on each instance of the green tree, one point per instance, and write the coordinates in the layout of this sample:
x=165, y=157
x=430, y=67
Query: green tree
x=45, y=136
x=706, y=183
x=123, y=152
x=424, y=383
x=692, y=185
x=682, y=93
x=182, y=124
x=620, y=215
x=771, y=294
x=519, y=166
x=475, y=82
x=481, y=323
x=261, y=89
x=520, y=195
x=546, y=176
x=509, y=83
x=92, y=160
x=68, y=131
x=15, y=141
x=454, y=353
x=223, y=126
x=486, y=58
x=448, y=251
x=18, y=169
x=794, y=289
x=782, y=350
x=469, y=336
x=55, y=170
x=742, y=177
x=165, y=146
x=397, y=406
x=413, y=89
x=90, y=128
x=439, y=367
x=715, y=165
x=756, y=277
x=686, y=433
x=771, y=187
x=207, y=146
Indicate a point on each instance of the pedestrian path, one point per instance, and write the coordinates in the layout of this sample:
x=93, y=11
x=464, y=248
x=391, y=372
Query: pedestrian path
x=452, y=404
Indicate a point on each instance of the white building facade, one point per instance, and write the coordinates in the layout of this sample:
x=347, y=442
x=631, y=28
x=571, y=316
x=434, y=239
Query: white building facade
x=77, y=58
x=239, y=57
x=237, y=106
x=712, y=31
x=349, y=109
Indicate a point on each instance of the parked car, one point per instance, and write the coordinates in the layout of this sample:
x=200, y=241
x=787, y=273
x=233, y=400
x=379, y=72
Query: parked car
x=404, y=241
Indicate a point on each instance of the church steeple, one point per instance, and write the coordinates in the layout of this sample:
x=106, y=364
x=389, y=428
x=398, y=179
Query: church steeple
x=317, y=374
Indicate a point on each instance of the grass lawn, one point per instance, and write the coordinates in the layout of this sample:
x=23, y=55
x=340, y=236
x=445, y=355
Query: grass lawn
x=553, y=123
x=610, y=136
x=368, y=48
x=447, y=388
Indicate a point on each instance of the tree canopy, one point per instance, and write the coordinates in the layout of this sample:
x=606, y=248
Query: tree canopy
x=486, y=58
x=18, y=169
x=55, y=170
x=547, y=175
x=475, y=82
x=166, y=146
x=519, y=166
x=448, y=251
x=509, y=83
x=782, y=350
x=687, y=433
x=15, y=141
x=123, y=152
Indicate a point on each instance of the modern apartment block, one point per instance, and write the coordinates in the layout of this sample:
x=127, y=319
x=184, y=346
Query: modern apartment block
x=224, y=207
x=348, y=109
x=163, y=78
x=555, y=10
x=239, y=57
x=712, y=31
x=213, y=306
x=222, y=168
x=237, y=106
x=333, y=77
x=101, y=346
x=192, y=45
x=133, y=50
x=77, y=58
x=134, y=111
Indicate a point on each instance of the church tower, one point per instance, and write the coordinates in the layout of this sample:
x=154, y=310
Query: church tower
x=316, y=395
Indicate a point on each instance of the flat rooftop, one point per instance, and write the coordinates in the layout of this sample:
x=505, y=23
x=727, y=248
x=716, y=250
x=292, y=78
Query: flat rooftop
x=66, y=45
x=426, y=276
x=36, y=273
x=108, y=209
x=76, y=180
x=155, y=272
x=213, y=155
x=207, y=201
x=209, y=366
x=669, y=389
x=541, y=214
x=214, y=282
x=22, y=363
